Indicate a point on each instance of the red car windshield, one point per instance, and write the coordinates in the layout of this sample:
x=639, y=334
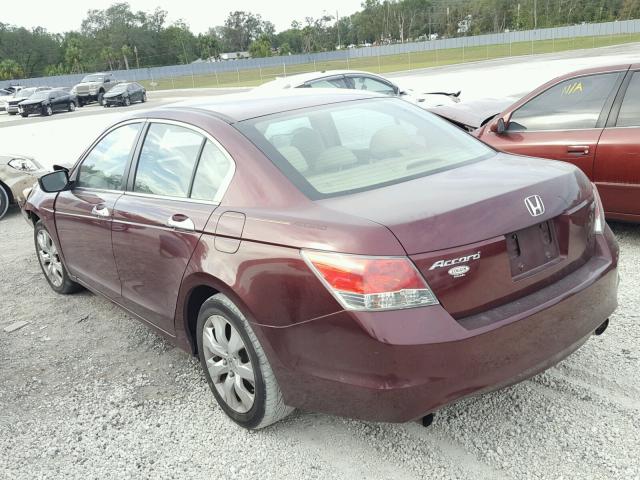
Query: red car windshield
x=360, y=145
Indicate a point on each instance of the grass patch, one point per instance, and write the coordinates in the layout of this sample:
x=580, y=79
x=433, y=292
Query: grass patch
x=391, y=63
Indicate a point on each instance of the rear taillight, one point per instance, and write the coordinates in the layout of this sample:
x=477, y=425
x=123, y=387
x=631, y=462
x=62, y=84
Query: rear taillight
x=371, y=283
x=599, y=220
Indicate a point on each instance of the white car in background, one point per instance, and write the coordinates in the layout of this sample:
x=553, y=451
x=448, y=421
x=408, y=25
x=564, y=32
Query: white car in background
x=354, y=79
x=469, y=115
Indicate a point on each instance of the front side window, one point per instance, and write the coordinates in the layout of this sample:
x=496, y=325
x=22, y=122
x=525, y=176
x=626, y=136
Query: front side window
x=360, y=145
x=167, y=159
x=630, y=110
x=372, y=85
x=573, y=104
x=213, y=169
x=103, y=168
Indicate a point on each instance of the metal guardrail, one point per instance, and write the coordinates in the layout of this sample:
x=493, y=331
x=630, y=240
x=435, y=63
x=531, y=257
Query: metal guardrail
x=213, y=68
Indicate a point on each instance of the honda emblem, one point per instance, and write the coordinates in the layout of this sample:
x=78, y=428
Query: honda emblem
x=534, y=205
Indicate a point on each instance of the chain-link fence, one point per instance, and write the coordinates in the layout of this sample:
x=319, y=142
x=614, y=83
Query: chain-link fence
x=384, y=58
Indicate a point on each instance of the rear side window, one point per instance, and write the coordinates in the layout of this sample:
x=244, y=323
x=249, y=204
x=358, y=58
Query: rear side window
x=213, y=169
x=573, y=104
x=167, y=160
x=630, y=110
x=372, y=85
x=104, y=167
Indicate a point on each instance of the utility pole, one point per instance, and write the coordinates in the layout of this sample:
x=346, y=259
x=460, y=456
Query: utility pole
x=135, y=50
x=535, y=14
x=338, y=27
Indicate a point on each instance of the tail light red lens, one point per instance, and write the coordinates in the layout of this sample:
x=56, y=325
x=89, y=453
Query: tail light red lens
x=371, y=283
x=599, y=223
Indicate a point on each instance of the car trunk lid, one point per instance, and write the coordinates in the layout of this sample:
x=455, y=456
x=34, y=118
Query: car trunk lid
x=470, y=232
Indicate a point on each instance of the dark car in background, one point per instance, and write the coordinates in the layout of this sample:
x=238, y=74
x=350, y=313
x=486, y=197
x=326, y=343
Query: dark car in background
x=125, y=94
x=590, y=118
x=47, y=102
x=21, y=95
x=336, y=251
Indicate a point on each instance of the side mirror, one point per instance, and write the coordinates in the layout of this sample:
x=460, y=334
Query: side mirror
x=54, y=182
x=499, y=127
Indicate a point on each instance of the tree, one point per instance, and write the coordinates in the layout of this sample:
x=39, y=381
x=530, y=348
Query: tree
x=209, y=45
x=260, y=47
x=284, y=49
x=10, y=69
x=242, y=28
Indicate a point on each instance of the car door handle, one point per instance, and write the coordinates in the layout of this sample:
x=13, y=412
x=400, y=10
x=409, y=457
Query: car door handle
x=578, y=149
x=181, y=222
x=100, y=211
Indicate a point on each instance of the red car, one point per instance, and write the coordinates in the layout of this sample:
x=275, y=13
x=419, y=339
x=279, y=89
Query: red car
x=335, y=251
x=590, y=118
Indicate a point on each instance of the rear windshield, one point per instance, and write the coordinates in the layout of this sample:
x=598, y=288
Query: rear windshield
x=360, y=145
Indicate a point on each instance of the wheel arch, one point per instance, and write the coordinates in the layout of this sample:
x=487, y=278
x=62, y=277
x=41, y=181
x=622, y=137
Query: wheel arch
x=4, y=186
x=195, y=290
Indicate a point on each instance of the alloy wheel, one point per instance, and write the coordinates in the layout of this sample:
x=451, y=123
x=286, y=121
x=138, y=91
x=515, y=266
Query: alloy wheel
x=49, y=110
x=72, y=106
x=228, y=363
x=49, y=258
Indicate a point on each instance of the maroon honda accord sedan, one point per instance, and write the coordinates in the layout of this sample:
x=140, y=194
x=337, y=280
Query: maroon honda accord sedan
x=333, y=251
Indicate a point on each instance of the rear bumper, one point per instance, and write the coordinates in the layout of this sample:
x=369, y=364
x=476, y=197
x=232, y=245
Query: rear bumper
x=399, y=366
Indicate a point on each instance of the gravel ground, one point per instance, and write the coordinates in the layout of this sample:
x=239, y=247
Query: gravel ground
x=88, y=392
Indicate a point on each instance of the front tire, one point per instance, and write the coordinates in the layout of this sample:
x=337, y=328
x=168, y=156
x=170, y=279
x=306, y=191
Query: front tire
x=236, y=367
x=101, y=98
x=24, y=115
x=4, y=201
x=47, y=111
x=127, y=101
x=51, y=263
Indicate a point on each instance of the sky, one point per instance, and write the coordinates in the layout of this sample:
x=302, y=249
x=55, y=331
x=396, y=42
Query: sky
x=200, y=15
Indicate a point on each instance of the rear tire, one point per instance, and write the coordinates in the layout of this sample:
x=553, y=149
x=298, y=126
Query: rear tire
x=51, y=263
x=72, y=106
x=4, y=201
x=229, y=351
x=144, y=97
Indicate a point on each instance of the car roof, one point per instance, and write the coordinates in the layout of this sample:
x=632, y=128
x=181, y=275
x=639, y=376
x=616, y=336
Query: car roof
x=293, y=81
x=600, y=69
x=243, y=106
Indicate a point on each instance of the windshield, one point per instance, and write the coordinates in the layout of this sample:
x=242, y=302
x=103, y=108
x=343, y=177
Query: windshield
x=121, y=87
x=355, y=146
x=41, y=95
x=93, y=78
x=25, y=92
